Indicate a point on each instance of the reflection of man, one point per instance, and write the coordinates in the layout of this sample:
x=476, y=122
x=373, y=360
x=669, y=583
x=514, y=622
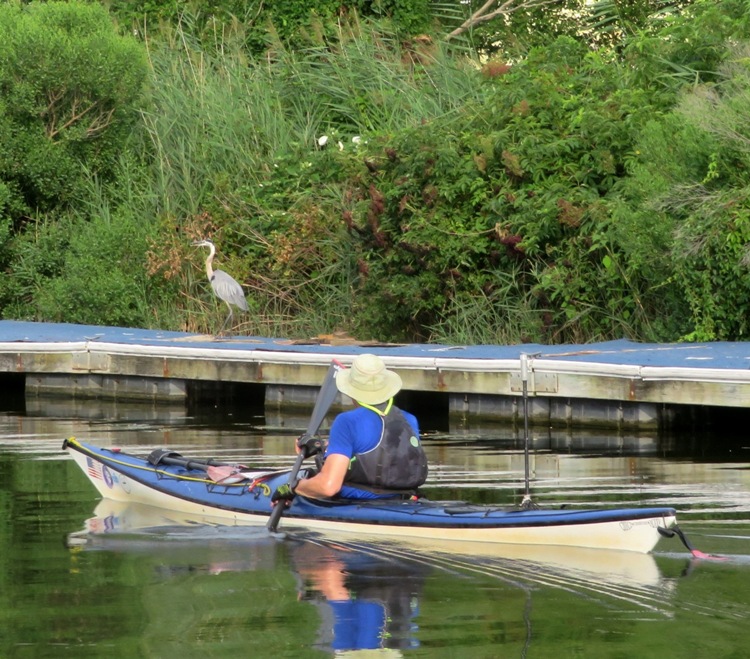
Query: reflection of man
x=366, y=603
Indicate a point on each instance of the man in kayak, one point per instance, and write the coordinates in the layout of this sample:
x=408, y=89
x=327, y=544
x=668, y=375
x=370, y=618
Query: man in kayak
x=374, y=450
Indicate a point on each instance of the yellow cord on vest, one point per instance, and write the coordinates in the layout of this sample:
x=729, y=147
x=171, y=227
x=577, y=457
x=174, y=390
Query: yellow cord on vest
x=376, y=410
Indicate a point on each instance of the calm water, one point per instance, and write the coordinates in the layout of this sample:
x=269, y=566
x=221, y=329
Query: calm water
x=85, y=578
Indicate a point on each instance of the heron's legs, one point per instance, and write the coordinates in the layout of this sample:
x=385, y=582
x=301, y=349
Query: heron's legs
x=221, y=331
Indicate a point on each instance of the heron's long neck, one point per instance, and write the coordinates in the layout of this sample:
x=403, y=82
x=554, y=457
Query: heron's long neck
x=209, y=262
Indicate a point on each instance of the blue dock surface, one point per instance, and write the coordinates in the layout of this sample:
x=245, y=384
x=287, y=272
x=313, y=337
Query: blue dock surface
x=597, y=382
x=718, y=355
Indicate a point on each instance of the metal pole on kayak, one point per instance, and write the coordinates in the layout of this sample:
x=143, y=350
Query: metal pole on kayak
x=326, y=396
x=526, y=502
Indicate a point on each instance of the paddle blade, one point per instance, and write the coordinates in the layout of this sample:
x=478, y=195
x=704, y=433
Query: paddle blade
x=326, y=396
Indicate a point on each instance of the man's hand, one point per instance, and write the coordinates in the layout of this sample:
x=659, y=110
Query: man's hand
x=283, y=493
x=310, y=445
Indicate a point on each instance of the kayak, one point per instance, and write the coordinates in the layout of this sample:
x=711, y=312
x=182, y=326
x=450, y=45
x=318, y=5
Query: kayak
x=184, y=485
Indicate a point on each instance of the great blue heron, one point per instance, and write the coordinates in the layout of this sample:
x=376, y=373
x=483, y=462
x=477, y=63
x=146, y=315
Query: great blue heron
x=225, y=287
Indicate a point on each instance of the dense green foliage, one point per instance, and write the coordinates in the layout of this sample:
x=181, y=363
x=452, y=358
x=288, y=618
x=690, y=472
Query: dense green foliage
x=262, y=22
x=699, y=156
x=586, y=181
x=70, y=90
x=71, y=95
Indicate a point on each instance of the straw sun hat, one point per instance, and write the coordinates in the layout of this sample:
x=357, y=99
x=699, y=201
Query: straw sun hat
x=368, y=380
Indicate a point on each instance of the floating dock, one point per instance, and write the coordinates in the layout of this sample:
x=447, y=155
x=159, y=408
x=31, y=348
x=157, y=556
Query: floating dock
x=618, y=384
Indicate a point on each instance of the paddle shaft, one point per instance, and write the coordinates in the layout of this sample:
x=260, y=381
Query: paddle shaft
x=191, y=464
x=326, y=396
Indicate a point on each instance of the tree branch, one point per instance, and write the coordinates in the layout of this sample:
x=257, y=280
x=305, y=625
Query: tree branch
x=78, y=110
x=487, y=13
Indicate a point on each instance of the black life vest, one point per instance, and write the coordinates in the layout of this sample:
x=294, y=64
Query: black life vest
x=397, y=462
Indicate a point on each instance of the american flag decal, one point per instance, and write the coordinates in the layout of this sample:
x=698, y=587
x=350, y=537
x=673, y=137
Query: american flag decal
x=93, y=469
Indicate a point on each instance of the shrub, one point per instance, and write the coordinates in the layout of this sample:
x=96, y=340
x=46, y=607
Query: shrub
x=70, y=88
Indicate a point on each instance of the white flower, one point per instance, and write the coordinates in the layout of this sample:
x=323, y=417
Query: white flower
x=323, y=140
x=341, y=145
x=356, y=139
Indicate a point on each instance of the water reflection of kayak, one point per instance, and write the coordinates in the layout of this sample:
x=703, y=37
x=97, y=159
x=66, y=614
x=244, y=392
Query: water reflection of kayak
x=366, y=600
x=116, y=519
x=603, y=565
x=368, y=594
x=185, y=486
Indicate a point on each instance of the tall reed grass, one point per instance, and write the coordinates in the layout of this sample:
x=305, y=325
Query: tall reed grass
x=224, y=131
x=507, y=315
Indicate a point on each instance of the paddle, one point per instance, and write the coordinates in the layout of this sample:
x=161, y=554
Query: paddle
x=323, y=402
x=222, y=473
x=162, y=456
